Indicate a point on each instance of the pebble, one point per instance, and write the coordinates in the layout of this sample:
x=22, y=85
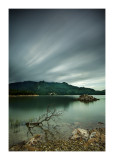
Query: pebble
x=93, y=144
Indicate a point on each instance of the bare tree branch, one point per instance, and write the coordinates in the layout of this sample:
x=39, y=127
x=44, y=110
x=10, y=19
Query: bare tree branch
x=49, y=115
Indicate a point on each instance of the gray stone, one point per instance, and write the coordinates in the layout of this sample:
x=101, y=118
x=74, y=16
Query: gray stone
x=92, y=135
x=80, y=133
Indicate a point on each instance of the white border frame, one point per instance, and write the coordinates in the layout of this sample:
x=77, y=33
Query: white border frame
x=5, y=5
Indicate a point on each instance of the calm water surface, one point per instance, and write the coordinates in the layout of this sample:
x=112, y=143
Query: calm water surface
x=74, y=114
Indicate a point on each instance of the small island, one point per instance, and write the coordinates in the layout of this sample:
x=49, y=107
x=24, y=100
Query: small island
x=87, y=98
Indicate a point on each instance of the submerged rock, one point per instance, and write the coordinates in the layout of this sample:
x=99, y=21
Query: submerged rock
x=100, y=123
x=87, y=98
x=81, y=140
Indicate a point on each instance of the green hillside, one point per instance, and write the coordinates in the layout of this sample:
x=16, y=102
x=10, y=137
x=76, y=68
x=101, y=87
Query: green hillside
x=49, y=88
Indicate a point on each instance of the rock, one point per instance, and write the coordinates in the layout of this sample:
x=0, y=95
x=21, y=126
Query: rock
x=81, y=140
x=29, y=148
x=97, y=144
x=15, y=148
x=102, y=138
x=18, y=146
x=87, y=98
x=102, y=130
x=80, y=133
x=95, y=134
x=92, y=135
x=96, y=137
x=93, y=140
x=86, y=145
x=75, y=136
x=34, y=140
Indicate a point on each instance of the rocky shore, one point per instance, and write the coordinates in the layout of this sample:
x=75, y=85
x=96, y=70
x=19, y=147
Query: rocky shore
x=81, y=140
x=87, y=98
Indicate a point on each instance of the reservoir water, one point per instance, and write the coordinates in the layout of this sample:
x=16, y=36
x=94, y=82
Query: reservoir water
x=74, y=114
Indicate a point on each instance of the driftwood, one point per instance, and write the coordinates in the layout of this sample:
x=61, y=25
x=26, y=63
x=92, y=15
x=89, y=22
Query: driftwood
x=49, y=115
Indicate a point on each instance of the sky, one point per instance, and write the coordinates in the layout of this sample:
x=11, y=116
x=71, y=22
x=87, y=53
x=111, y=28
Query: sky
x=57, y=45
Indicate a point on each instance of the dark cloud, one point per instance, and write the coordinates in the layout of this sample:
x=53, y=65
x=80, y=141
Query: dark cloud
x=57, y=45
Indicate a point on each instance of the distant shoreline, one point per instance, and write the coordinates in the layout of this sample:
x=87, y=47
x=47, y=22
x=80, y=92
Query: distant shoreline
x=23, y=95
x=51, y=95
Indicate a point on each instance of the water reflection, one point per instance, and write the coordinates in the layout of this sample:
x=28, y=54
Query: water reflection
x=44, y=120
x=39, y=102
x=75, y=114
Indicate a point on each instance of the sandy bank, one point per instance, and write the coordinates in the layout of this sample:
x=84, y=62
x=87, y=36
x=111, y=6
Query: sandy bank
x=23, y=95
